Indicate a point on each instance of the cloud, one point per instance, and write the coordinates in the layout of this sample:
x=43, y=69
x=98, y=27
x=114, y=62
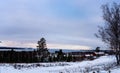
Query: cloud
x=18, y=44
x=63, y=22
x=50, y=46
x=63, y=46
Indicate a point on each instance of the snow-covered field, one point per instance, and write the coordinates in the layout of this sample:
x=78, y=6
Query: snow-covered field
x=102, y=64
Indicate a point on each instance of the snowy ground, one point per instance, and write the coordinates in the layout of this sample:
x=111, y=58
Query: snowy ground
x=102, y=64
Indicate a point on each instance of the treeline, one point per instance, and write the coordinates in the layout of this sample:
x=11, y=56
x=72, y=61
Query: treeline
x=32, y=57
x=18, y=57
x=59, y=56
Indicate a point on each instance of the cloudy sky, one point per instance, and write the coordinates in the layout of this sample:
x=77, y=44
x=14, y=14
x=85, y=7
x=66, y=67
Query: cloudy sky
x=63, y=23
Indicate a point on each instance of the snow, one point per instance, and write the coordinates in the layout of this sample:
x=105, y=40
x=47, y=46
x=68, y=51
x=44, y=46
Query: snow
x=116, y=71
x=62, y=67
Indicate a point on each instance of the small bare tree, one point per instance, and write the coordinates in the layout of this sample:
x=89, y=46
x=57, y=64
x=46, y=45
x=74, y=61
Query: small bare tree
x=110, y=33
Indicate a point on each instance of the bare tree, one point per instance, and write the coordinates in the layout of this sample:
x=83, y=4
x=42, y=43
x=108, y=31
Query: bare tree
x=110, y=33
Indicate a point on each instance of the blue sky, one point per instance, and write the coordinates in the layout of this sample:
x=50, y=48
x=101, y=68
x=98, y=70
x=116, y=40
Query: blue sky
x=64, y=23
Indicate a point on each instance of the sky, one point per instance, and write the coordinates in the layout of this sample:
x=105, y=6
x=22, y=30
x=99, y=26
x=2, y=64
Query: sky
x=65, y=24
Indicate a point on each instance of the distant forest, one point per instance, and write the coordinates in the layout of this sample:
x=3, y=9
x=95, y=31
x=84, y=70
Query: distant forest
x=43, y=55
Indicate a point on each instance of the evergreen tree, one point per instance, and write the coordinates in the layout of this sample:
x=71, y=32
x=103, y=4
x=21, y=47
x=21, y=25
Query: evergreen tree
x=69, y=58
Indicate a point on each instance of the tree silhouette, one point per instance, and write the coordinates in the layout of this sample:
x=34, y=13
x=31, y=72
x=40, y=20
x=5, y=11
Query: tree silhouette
x=97, y=49
x=110, y=33
x=42, y=51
